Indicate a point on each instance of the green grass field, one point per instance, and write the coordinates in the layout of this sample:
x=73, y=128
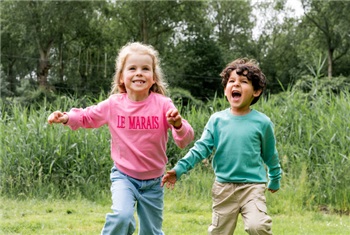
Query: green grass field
x=181, y=217
x=56, y=181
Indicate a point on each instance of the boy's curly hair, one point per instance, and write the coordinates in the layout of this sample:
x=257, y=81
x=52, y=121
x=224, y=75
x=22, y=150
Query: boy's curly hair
x=249, y=69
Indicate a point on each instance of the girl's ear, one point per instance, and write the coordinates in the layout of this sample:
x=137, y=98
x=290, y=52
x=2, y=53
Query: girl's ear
x=121, y=80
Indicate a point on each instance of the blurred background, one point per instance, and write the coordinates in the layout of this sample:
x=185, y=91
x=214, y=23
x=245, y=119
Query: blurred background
x=69, y=47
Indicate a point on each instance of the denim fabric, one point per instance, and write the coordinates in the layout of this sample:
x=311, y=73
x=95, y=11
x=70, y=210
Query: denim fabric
x=127, y=193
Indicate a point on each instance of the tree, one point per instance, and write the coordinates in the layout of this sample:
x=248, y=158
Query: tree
x=332, y=20
x=43, y=25
x=232, y=26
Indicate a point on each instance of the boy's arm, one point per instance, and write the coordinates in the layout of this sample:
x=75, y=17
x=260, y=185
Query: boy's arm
x=271, y=159
x=202, y=149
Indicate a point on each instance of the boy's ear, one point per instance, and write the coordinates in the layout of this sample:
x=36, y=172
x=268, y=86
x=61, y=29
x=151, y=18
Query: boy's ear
x=257, y=93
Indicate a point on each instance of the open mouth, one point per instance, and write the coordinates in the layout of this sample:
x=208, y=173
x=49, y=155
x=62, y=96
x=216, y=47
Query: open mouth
x=236, y=94
x=138, y=82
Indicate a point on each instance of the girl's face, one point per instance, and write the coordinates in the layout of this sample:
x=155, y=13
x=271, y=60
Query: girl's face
x=137, y=75
x=240, y=93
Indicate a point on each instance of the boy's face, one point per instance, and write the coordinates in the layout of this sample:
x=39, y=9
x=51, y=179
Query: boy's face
x=239, y=91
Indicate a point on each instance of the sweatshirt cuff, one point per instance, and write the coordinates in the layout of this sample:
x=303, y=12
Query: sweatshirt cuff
x=179, y=171
x=274, y=185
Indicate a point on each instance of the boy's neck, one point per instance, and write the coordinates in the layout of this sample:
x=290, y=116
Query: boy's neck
x=240, y=112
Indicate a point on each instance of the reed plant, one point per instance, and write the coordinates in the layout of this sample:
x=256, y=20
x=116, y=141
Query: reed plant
x=312, y=133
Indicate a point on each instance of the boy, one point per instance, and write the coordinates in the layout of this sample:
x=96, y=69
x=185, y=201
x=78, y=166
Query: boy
x=244, y=143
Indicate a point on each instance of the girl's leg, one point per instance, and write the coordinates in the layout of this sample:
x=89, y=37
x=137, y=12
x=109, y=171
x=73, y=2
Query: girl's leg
x=150, y=207
x=254, y=211
x=121, y=221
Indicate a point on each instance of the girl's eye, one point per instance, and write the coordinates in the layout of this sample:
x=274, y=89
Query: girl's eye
x=146, y=69
x=132, y=68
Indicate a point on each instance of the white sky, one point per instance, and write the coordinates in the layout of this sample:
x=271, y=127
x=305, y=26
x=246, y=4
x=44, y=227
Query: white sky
x=296, y=10
x=296, y=5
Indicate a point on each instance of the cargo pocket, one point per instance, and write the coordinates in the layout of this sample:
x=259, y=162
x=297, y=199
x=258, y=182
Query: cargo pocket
x=215, y=219
x=213, y=228
x=261, y=206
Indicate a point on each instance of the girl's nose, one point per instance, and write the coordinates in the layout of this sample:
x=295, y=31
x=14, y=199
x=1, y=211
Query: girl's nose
x=138, y=72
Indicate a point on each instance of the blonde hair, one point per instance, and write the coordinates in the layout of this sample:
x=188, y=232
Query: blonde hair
x=160, y=86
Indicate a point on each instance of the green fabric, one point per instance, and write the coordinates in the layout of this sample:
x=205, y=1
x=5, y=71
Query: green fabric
x=243, y=148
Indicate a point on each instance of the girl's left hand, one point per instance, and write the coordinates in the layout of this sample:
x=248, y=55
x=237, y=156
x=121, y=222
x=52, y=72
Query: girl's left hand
x=174, y=118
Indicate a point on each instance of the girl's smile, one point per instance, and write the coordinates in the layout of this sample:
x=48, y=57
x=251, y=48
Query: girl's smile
x=137, y=76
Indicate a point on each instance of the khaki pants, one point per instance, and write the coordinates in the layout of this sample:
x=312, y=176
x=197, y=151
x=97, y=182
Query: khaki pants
x=230, y=199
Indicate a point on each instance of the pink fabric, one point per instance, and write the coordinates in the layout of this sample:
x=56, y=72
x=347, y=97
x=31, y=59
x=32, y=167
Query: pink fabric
x=139, y=132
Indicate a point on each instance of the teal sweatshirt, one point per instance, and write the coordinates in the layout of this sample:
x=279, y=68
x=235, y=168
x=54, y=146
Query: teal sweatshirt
x=244, y=149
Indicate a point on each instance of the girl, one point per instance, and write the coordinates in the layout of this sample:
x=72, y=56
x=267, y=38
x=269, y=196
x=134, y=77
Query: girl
x=138, y=115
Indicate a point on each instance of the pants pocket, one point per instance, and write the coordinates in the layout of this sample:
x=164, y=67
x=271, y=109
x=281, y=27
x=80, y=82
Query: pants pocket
x=261, y=206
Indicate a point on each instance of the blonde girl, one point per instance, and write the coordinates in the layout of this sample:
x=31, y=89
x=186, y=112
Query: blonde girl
x=138, y=115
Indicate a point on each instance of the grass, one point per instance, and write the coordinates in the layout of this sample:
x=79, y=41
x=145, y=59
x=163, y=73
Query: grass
x=182, y=217
x=55, y=181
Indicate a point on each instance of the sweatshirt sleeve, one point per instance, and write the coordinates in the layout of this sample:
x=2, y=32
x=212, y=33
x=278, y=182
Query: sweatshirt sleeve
x=183, y=136
x=91, y=117
x=271, y=159
x=201, y=150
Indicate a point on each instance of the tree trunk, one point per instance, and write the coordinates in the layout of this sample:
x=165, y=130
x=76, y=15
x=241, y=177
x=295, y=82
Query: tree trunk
x=330, y=63
x=11, y=76
x=43, y=69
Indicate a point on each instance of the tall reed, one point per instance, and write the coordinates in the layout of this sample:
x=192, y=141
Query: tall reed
x=312, y=133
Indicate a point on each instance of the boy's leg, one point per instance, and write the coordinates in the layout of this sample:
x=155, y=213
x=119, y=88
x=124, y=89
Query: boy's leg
x=225, y=209
x=254, y=211
x=121, y=221
x=150, y=207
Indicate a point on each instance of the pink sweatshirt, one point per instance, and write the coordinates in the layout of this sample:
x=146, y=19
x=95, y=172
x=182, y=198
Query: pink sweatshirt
x=139, y=132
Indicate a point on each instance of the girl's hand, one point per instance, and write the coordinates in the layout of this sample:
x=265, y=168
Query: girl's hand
x=57, y=117
x=169, y=179
x=174, y=118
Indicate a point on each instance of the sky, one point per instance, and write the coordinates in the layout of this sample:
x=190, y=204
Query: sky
x=296, y=5
x=296, y=10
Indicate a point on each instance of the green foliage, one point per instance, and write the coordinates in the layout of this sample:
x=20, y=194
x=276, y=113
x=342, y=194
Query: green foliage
x=183, y=97
x=314, y=87
x=312, y=135
x=312, y=140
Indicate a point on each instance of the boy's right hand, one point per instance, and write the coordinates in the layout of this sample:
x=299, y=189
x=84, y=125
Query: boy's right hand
x=57, y=117
x=169, y=179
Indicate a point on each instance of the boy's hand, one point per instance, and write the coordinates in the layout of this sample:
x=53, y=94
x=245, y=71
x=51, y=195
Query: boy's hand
x=174, y=118
x=169, y=179
x=272, y=191
x=57, y=117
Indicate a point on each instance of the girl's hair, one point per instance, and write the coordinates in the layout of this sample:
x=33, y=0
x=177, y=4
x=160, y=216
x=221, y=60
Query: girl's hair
x=160, y=86
x=249, y=69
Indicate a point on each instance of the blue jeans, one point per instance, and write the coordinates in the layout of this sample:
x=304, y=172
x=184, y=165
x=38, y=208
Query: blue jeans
x=127, y=193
